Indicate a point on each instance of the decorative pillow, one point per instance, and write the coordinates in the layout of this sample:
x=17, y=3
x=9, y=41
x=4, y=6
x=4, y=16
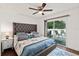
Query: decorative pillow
x=22, y=36
x=35, y=34
x=30, y=36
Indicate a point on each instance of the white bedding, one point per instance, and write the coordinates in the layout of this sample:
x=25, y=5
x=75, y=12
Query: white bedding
x=21, y=44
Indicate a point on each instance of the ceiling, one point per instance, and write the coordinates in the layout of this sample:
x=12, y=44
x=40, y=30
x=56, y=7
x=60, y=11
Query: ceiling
x=22, y=8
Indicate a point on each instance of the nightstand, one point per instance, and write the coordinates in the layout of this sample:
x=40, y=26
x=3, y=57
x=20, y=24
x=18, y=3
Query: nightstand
x=7, y=43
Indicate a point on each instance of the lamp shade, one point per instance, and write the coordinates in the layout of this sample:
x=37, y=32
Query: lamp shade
x=6, y=35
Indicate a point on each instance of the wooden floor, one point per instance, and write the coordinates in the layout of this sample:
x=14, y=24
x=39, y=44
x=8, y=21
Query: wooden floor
x=11, y=52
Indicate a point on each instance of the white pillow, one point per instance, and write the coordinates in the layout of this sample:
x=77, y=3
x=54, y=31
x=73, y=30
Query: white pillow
x=15, y=40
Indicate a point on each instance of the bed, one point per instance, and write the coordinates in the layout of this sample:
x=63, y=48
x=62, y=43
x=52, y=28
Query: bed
x=32, y=46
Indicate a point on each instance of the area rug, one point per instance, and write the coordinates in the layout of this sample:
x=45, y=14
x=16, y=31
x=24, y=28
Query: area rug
x=60, y=52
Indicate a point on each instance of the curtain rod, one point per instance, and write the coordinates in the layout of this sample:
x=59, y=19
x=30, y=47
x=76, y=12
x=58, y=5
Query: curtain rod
x=57, y=17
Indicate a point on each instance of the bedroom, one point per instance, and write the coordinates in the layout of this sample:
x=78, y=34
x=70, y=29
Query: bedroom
x=14, y=15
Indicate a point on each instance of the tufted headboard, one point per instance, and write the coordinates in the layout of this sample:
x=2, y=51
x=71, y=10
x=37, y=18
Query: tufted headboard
x=21, y=27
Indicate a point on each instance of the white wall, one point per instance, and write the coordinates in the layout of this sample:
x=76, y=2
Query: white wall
x=10, y=13
x=72, y=24
x=73, y=30
x=0, y=41
x=7, y=19
x=6, y=23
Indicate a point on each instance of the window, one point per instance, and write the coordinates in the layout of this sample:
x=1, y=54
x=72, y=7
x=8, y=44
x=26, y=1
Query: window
x=57, y=31
x=50, y=25
x=58, y=25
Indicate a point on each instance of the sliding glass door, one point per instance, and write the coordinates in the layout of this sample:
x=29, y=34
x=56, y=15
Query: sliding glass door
x=56, y=29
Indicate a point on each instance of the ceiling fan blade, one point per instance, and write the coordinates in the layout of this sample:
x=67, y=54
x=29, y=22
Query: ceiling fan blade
x=35, y=13
x=48, y=10
x=33, y=8
x=42, y=13
x=43, y=5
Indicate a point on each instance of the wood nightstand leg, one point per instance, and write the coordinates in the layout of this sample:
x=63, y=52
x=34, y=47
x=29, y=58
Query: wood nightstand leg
x=2, y=50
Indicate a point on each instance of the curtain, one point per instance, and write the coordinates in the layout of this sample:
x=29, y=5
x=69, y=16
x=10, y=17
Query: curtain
x=45, y=28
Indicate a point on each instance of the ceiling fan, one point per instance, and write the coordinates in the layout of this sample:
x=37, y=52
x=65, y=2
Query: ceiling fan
x=40, y=9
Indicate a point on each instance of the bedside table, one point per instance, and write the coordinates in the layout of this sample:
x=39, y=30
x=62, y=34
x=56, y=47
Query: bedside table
x=7, y=43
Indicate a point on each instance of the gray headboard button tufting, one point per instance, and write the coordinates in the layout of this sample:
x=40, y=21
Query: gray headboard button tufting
x=21, y=27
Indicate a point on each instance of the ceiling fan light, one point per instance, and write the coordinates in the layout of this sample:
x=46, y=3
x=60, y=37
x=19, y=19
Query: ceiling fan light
x=40, y=12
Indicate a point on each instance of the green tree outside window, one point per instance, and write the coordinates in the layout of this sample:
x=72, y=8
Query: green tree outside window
x=50, y=25
x=58, y=25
